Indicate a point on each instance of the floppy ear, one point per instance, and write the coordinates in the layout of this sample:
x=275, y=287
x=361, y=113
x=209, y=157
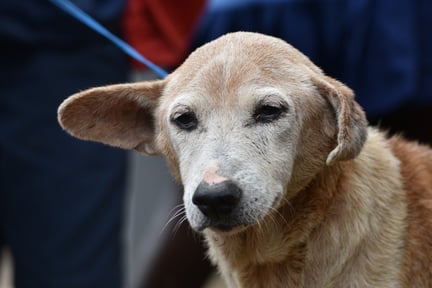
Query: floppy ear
x=351, y=120
x=118, y=115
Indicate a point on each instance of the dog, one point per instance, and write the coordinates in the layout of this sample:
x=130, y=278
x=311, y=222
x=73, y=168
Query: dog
x=280, y=170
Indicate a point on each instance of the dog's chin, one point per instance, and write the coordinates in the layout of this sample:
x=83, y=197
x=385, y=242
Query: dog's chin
x=228, y=230
x=223, y=228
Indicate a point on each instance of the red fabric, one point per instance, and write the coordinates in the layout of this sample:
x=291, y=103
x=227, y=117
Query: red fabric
x=161, y=29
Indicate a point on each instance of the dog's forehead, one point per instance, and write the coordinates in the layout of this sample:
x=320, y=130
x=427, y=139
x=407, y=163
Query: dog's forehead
x=249, y=47
x=236, y=63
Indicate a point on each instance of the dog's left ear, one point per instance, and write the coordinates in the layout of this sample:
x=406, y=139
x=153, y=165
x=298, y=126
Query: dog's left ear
x=118, y=115
x=351, y=120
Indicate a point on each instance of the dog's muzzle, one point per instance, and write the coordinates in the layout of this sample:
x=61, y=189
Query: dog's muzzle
x=218, y=202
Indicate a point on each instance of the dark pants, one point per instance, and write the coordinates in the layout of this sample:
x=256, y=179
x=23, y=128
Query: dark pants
x=61, y=198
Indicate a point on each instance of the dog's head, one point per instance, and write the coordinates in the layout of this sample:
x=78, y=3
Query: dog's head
x=245, y=123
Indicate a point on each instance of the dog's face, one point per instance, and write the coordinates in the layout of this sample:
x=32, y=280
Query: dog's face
x=235, y=146
x=244, y=123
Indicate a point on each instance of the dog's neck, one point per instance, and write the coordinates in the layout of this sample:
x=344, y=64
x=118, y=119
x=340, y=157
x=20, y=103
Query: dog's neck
x=273, y=246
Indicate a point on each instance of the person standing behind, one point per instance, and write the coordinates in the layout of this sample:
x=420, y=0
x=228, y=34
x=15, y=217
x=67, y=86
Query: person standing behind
x=60, y=199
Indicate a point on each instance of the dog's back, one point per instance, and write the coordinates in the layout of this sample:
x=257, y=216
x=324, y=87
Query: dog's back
x=416, y=170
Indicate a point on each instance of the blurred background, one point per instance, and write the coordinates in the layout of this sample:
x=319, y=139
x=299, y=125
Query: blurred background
x=79, y=214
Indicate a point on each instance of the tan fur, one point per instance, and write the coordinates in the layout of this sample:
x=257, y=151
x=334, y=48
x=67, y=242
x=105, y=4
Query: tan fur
x=355, y=209
x=337, y=231
x=416, y=170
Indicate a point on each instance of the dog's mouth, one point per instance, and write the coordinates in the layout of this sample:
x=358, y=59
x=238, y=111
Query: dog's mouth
x=220, y=227
x=222, y=208
x=223, y=227
x=226, y=227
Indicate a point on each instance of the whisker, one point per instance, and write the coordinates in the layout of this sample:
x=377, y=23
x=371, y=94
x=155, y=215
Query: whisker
x=181, y=205
x=290, y=207
x=273, y=220
x=179, y=212
x=260, y=231
x=178, y=225
x=277, y=215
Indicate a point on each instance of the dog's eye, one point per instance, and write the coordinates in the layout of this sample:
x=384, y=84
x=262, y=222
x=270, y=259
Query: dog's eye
x=186, y=121
x=267, y=113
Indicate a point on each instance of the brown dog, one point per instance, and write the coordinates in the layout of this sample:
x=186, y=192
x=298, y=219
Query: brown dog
x=280, y=172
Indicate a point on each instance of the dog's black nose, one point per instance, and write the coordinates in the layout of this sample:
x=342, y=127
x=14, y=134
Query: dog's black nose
x=218, y=199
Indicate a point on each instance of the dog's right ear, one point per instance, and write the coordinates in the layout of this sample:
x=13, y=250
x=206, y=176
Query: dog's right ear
x=118, y=115
x=350, y=118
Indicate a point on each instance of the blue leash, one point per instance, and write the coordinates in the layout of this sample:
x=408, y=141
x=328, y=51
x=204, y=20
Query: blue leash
x=80, y=15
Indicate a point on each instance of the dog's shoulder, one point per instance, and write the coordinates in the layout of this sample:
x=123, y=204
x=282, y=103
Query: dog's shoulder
x=389, y=187
x=415, y=162
x=377, y=165
x=416, y=170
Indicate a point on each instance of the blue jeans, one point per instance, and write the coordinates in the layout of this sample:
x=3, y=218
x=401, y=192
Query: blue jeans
x=61, y=199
